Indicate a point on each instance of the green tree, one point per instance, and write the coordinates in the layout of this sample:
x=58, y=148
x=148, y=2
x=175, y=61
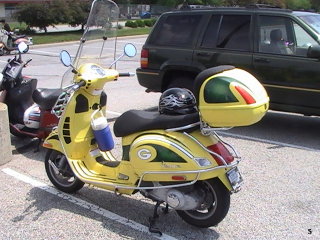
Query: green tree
x=36, y=15
x=78, y=12
x=298, y=4
x=315, y=4
x=59, y=11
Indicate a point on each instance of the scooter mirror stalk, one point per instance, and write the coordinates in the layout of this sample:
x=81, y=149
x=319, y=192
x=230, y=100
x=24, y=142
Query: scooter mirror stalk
x=65, y=58
x=129, y=50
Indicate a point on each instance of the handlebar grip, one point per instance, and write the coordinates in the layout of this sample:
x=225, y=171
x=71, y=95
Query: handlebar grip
x=29, y=60
x=128, y=74
x=81, y=83
x=78, y=85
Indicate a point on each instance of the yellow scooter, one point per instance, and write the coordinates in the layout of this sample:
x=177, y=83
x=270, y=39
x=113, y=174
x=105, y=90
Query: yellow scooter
x=173, y=157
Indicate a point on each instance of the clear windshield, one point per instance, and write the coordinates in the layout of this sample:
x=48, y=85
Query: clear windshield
x=313, y=21
x=98, y=42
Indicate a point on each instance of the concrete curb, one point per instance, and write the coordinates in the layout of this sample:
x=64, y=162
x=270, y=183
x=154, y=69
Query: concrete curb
x=78, y=41
x=5, y=140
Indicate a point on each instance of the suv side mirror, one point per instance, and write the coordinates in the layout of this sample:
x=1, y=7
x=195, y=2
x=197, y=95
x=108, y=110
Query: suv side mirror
x=313, y=52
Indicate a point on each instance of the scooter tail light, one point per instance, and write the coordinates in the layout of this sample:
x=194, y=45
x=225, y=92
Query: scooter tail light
x=144, y=60
x=179, y=178
x=221, y=150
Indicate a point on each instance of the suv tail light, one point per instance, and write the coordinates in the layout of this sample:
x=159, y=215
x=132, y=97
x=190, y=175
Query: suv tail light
x=221, y=149
x=144, y=58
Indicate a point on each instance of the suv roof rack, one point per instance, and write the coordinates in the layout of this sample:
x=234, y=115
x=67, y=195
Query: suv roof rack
x=267, y=6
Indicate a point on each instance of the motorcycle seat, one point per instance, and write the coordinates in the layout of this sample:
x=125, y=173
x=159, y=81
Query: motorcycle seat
x=134, y=121
x=46, y=97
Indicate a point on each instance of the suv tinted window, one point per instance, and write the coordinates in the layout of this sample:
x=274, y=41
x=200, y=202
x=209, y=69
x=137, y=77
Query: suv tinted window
x=176, y=30
x=280, y=35
x=210, y=36
x=234, y=32
x=275, y=35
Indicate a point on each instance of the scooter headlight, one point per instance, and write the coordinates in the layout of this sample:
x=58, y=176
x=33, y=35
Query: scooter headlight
x=202, y=162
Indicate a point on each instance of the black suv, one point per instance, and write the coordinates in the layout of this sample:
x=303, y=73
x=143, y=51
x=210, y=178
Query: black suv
x=278, y=46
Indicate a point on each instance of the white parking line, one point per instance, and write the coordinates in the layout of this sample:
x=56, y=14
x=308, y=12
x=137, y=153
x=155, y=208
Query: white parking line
x=84, y=204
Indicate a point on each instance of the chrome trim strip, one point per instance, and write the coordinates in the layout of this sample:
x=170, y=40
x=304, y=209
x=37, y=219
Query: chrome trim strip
x=161, y=172
x=161, y=139
x=292, y=88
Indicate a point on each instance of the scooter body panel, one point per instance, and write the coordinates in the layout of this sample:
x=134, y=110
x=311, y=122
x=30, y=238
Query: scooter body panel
x=19, y=98
x=165, y=156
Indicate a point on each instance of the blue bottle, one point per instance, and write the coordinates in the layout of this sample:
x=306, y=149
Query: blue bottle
x=102, y=133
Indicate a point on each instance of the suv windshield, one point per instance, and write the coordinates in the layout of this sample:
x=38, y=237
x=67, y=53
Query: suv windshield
x=313, y=20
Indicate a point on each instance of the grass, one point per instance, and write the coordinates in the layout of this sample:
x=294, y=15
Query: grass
x=54, y=37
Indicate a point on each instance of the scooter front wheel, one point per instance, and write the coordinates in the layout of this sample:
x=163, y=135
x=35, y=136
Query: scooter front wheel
x=214, y=207
x=60, y=173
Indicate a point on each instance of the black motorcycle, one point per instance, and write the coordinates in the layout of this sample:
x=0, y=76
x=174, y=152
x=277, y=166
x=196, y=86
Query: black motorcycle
x=29, y=108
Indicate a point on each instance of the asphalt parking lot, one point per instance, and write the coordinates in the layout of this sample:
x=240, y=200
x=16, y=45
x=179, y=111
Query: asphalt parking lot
x=279, y=199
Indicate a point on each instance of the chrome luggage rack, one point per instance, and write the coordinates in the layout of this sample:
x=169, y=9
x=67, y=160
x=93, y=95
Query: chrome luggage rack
x=206, y=130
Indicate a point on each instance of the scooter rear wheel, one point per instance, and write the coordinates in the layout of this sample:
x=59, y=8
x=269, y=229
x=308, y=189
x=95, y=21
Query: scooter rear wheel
x=60, y=173
x=214, y=208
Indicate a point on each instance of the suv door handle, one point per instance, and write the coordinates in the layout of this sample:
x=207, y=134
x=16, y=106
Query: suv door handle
x=262, y=60
x=203, y=54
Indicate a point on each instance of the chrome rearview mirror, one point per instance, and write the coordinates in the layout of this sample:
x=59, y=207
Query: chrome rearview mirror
x=130, y=50
x=65, y=58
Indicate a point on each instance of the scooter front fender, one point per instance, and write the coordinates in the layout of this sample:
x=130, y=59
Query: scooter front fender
x=53, y=142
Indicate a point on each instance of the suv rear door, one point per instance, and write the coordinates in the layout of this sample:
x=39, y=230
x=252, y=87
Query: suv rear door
x=280, y=62
x=227, y=39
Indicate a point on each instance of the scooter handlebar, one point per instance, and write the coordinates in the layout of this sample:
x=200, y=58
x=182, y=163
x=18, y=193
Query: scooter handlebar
x=128, y=74
x=29, y=60
x=78, y=85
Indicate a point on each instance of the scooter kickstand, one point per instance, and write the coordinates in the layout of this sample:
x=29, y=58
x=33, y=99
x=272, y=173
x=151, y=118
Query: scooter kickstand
x=165, y=210
x=38, y=145
x=152, y=220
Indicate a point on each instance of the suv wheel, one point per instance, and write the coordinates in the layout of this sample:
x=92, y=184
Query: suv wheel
x=182, y=81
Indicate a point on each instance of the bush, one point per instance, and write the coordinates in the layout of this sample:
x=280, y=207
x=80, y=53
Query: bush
x=140, y=23
x=131, y=24
x=148, y=22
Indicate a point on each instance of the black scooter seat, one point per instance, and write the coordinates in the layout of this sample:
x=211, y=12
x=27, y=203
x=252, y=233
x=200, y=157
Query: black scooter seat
x=45, y=97
x=138, y=120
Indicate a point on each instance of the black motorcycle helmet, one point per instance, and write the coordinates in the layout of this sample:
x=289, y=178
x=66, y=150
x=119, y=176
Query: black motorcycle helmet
x=175, y=101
